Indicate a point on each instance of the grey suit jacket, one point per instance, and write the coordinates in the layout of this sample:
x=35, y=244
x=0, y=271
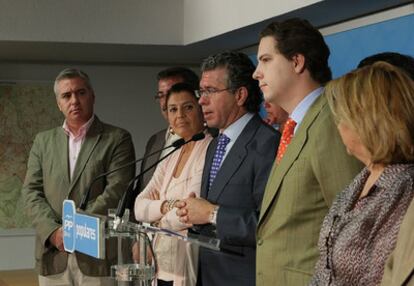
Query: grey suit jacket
x=238, y=190
x=47, y=184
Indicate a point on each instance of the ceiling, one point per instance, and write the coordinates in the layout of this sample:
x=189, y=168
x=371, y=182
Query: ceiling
x=321, y=14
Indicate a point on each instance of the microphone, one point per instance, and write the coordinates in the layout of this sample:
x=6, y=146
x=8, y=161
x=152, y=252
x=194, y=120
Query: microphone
x=196, y=137
x=176, y=144
x=123, y=202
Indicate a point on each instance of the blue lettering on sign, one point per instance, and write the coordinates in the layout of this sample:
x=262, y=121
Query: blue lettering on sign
x=82, y=232
x=86, y=236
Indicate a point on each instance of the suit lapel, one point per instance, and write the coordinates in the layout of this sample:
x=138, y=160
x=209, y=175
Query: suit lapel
x=405, y=269
x=62, y=140
x=92, y=138
x=278, y=172
x=158, y=144
x=207, y=166
x=233, y=159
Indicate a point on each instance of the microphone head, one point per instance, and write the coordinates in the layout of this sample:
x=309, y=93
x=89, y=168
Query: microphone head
x=214, y=132
x=198, y=136
x=178, y=143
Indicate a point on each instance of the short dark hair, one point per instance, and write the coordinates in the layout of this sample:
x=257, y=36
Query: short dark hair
x=180, y=87
x=404, y=62
x=240, y=70
x=298, y=36
x=185, y=74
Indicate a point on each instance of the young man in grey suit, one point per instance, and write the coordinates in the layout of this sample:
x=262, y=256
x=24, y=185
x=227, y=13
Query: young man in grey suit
x=237, y=166
x=62, y=164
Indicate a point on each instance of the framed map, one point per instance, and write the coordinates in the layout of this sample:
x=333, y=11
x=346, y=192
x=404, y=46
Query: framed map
x=25, y=110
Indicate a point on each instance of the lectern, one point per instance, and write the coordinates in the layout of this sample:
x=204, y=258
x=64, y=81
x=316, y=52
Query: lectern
x=86, y=233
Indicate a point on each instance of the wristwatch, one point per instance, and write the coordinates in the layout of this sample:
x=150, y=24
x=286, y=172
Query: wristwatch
x=213, y=215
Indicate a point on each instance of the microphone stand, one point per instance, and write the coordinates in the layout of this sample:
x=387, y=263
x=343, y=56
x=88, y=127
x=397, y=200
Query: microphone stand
x=176, y=144
x=122, y=203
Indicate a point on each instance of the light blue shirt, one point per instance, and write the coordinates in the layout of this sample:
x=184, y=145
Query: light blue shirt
x=234, y=130
x=300, y=110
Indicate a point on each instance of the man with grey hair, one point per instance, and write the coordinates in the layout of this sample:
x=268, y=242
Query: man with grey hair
x=235, y=173
x=62, y=164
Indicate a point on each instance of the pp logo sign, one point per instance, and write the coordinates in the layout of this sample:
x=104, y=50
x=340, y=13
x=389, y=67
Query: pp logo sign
x=69, y=225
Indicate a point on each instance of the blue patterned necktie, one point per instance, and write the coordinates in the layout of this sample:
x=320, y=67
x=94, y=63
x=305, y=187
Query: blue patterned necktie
x=218, y=157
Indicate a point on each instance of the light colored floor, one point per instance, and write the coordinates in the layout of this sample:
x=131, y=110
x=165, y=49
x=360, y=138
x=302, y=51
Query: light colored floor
x=27, y=277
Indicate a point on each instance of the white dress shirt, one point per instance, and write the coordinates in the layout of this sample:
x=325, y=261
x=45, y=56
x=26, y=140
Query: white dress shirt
x=169, y=139
x=234, y=130
x=300, y=110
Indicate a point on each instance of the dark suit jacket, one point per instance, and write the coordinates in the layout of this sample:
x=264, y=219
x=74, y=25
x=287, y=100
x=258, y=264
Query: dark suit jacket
x=156, y=142
x=238, y=190
x=48, y=183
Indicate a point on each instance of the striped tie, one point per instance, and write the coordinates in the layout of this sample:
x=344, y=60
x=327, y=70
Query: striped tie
x=218, y=157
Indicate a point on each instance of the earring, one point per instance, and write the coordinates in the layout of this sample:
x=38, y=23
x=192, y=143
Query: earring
x=171, y=131
x=205, y=124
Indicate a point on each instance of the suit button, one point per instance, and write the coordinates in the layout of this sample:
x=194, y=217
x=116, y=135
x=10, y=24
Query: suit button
x=260, y=241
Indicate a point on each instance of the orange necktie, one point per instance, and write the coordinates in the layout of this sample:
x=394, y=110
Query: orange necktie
x=287, y=135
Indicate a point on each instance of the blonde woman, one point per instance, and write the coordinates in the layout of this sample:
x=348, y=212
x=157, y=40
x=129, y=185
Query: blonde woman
x=173, y=180
x=374, y=109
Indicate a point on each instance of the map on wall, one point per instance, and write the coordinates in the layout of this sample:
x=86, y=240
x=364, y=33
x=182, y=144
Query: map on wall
x=25, y=110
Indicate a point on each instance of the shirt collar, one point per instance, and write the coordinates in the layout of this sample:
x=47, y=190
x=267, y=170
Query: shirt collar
x=390, y=174
x=82, y=131
x=300, y=110
x=233, y=130
x=170, y=138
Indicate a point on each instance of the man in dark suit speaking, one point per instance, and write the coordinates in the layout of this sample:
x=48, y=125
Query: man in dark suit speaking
x=237, y=166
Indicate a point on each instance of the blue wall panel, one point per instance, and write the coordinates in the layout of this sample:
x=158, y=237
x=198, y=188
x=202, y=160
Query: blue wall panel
x=349, y=47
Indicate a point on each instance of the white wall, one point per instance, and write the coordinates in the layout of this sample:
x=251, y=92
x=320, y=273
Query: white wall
x=354, y=23
x=17, y=249
x=124, y=97
x=172, y=22
x=208, y=18
x=92, y=21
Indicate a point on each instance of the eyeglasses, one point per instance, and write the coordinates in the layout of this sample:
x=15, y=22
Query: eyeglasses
x=209, y=91
x=160, y=95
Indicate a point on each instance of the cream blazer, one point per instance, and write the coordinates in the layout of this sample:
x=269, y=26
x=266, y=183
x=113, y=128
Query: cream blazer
x=180, y=263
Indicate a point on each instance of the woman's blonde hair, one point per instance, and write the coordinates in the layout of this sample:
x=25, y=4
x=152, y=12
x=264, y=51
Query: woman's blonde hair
x=377, y=102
